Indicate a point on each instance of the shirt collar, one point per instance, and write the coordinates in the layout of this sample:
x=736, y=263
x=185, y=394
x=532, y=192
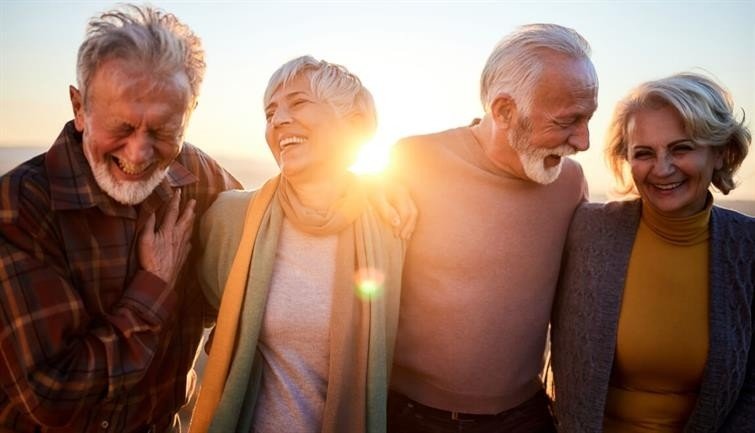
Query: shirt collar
x=72, y=184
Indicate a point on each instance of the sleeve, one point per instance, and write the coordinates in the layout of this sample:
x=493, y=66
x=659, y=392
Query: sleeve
x=219, y=234
x=741, y=419
x=56, y=359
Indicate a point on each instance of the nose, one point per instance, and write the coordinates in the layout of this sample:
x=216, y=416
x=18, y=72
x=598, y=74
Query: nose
x=280, y=116
x=580, y=139
x=664, y=166
x=139, y=148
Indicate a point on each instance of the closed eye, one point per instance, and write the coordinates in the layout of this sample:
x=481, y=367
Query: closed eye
x=682, y=147
x=641, y=154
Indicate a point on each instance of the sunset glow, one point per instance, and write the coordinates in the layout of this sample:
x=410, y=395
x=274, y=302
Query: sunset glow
x=422, y=68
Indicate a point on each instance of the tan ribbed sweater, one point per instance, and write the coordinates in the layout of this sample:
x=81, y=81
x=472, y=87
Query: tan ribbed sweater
x=479, y=276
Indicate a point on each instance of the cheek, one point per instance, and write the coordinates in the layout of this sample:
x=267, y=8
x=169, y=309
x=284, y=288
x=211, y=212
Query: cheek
x=94, y=144
x=168, y=151
x=274, y=149
x=639, y=171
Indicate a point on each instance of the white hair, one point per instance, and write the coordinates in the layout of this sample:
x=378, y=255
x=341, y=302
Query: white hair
x=331, y=83
x=149, y=36
x=516, y=62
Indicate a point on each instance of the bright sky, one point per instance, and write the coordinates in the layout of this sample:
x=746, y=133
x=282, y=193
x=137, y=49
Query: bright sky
x=421, y=60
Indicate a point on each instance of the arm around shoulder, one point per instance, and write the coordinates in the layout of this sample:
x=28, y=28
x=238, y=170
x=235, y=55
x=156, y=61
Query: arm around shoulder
x=219, y=236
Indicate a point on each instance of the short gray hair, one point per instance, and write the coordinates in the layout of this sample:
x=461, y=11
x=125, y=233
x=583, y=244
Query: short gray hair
x=516, y=62
x=330, y=83
x=143, y=34
x=707, y=113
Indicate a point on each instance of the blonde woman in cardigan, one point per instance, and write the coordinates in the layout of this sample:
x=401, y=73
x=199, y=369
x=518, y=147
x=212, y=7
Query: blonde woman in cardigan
x=653, y=320
x=305, y=275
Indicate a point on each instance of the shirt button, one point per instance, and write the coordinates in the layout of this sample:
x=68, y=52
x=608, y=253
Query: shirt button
x=104, y=424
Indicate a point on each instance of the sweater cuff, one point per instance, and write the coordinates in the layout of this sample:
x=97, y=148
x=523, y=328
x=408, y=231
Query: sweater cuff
x=150, y=296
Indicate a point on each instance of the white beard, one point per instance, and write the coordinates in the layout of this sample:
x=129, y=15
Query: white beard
x=533, y=158
x=128, y=193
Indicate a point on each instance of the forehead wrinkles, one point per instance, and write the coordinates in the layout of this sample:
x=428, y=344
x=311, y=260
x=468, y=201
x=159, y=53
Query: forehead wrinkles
x=140, y=81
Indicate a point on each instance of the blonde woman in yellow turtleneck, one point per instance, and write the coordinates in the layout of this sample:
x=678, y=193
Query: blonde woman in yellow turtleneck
x=653, y=321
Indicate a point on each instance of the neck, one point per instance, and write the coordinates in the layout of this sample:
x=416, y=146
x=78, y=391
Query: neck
x=320, y=194
x=494, y=144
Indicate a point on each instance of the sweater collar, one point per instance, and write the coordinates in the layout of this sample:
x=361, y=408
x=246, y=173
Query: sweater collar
x=688, y=230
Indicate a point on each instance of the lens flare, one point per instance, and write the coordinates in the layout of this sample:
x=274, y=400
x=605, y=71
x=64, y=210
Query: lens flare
x=369, y=282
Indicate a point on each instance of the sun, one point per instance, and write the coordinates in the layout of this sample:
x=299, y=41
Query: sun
x=373, y=158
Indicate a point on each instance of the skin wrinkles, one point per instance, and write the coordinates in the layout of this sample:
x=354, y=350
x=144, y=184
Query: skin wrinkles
x=532, y=145
x=309, y=140
x=672, y=173
x=132, y=127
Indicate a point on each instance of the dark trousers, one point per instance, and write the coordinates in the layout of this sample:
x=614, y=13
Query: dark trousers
x=408, y=416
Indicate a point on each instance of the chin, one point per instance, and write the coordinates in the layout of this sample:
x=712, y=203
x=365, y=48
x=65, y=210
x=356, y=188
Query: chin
x=538, y=173
x=125, y=192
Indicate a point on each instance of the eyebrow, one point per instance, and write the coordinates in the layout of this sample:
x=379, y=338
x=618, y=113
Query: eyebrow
x=288, y=96
x=671, y=143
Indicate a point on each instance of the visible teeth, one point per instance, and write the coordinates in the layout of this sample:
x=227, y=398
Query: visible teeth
x=130, y=168
x=667, y=186
x=291, y=140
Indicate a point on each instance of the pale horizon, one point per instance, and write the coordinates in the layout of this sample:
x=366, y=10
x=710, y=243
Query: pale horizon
x=421, y=61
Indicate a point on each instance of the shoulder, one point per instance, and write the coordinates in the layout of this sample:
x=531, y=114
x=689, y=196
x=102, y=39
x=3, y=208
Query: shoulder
x=733, y=229
x=206, y=168
x=729, y=216
x=571, y=184
x=419, y=143
x=24, y=186
x=609, y=210
x=593, y=219
x=230, y=205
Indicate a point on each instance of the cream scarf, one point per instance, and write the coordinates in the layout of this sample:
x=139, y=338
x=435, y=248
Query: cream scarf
x=362, y=327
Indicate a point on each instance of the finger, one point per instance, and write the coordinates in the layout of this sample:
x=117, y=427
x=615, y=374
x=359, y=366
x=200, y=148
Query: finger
x=185, y=225
x=386, y=211
x=188, y=214
x=147, y=243
x=169, y=219
x=148, y=231
x=411, y=222
x=184, y=255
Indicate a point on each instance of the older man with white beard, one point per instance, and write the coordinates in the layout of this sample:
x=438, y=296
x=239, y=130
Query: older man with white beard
x=495, y=200
x=100, y=326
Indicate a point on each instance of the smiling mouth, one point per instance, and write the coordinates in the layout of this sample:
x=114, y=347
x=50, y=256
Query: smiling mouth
x=131, y=169
x=667, y=186
x=552, y=160
x=288, y=141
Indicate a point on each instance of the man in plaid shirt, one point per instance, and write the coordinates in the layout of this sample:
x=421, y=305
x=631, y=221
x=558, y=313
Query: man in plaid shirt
x=100, y=313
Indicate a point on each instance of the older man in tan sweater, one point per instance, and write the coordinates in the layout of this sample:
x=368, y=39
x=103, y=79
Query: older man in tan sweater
x=495, y=201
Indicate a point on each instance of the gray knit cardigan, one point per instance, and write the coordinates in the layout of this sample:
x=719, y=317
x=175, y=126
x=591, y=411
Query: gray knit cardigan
x=588, y=302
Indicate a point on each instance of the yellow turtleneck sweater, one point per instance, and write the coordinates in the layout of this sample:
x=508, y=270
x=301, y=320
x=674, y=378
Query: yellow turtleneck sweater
x=662, y=338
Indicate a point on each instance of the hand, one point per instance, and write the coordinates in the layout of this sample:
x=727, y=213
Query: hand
x=163, y=252
x=395, y=206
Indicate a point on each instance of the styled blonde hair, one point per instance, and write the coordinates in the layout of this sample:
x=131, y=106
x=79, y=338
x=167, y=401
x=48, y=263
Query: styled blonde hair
x=707, y=113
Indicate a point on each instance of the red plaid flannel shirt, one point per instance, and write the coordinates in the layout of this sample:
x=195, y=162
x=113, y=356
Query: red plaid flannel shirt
x=89, y=342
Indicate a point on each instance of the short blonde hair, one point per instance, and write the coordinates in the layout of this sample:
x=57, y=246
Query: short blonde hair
x=707, y=113
x=330, y=83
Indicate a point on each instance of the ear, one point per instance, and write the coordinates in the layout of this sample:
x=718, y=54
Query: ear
x=78, y=108
x=503, y=110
